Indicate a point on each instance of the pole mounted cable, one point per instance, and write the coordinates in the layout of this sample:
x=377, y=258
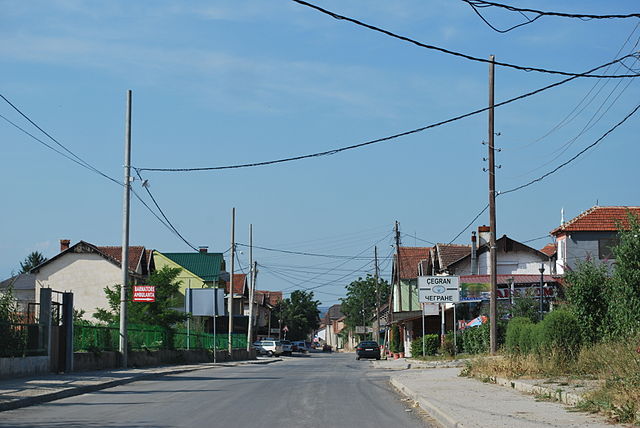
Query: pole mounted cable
x=390, y=137
x=448, y=51
x=483, y=3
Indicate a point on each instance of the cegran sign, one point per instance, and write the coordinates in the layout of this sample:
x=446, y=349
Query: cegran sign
x=439, y=289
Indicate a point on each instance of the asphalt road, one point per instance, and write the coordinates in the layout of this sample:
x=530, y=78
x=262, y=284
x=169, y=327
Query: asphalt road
x=321, y=390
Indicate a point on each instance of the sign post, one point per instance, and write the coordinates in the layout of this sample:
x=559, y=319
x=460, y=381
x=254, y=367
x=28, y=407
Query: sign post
x=440, y=290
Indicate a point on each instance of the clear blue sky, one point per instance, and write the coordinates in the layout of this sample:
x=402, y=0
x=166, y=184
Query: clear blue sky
x=226, y=82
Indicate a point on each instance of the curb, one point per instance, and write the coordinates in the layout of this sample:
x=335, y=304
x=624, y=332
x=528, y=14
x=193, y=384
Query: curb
x=441, y=417
x=74, y=391
x=567, y=398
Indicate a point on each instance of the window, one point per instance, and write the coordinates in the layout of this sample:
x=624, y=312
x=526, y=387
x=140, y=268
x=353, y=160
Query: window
x=605, y=248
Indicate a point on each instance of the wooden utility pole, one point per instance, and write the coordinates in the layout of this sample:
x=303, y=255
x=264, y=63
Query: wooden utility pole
x=230, y=298
x=125, y=234
x=493, y=310
x=375, y=256
x=398, y=267
x=251, y=291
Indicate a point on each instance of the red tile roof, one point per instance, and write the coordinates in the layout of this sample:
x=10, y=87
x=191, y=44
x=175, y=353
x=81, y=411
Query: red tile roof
x=271, y=297
x=550, y=249
x=598, y=219
x=239, y=280
x=449, y=253
x=410, y=257
x=135, y=255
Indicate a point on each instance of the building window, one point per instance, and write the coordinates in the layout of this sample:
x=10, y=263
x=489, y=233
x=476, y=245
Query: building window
x=605, y=248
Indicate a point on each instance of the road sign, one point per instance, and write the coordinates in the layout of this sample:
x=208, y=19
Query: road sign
x=430, y=309
x=144, y=293
x=285, y=329
x=360, y=329
x=439, y=289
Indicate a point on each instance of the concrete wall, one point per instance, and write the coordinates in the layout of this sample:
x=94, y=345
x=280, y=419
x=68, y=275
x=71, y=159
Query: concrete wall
x=26, y=366
x=86, y=361
x=84, y=274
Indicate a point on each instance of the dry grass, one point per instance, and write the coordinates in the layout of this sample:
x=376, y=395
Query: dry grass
x=616, y=365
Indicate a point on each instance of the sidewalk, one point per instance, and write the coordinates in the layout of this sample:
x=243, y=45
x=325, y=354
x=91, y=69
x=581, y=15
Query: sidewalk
x=456, y=401
x=23, y=392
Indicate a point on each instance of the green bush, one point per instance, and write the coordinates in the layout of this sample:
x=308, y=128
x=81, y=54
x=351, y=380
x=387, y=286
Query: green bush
x=514, y=330
x=559, y=331
x=395, y=339
x=475, y=340
x=529, y=338
x=431, y=343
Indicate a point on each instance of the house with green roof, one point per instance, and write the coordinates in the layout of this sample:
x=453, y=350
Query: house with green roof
x=199, y=270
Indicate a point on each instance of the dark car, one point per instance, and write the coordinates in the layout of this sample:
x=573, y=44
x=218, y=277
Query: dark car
x=368, y=350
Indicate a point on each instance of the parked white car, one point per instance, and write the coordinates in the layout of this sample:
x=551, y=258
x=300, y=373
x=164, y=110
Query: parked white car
x=269, y=347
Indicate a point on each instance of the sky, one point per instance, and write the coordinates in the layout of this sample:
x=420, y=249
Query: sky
x=220, y=83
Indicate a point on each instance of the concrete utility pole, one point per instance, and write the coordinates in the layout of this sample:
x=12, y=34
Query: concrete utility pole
x=251, y=291
x=125, y=233
x=375, y=256
x=493, y=310
x=230, y=298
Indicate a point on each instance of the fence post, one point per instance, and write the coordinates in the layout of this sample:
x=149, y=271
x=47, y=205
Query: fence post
x=67, y=324
x=45, y=321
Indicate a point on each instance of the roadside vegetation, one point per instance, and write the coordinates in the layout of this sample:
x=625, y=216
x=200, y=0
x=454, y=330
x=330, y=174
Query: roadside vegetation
x=593, y=335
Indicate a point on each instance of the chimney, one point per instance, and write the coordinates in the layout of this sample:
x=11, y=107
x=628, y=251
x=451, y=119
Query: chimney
x=64, y=244
x=484, y=235
x=203, y=249
x=474, y=254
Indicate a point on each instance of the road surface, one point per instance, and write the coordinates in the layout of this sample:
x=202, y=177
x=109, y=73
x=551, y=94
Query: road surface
x=319, y=390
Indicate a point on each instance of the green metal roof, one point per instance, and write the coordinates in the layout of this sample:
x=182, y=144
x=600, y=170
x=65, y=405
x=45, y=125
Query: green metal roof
x=205, y=265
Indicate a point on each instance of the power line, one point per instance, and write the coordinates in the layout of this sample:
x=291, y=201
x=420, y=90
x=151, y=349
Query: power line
x=536, y=239
x=303, y=253
x=447, y=51
x=483, y=3
x=470, y=223
x=475, y=7
x=172, y=227
x=419, y=239
x=542, y=177
x=383, y=139
x=70, y=155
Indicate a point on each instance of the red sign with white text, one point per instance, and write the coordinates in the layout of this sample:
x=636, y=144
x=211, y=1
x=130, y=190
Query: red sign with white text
x=144, y=293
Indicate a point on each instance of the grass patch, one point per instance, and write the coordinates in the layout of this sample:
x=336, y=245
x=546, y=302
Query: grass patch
x=614, y=365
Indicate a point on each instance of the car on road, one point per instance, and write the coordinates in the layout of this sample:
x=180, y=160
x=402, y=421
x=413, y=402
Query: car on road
x=269, y=347
x=368, y=349
x=287, y=347
x=300, y=346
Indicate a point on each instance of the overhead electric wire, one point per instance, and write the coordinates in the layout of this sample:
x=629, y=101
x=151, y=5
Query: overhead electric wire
x=383, y=139
x=470, y=223
x=475, y=9
x=419, y=239
x=70, y=155
x=163, y=214
x=291, y=282
x=483, y=3
x=303, y=253
x=536, y=239
x=542, y=177
x=447, y=51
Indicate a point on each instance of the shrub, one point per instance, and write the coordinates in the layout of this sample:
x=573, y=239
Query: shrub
x=560, y=331
x=395, y=339
x=514, y=331
x=475, y=340
x=529, y=338
x=586, y=293
x=431, y=343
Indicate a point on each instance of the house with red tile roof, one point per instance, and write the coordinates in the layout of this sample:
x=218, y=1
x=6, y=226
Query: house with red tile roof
x=86, y=269
x=591, y=235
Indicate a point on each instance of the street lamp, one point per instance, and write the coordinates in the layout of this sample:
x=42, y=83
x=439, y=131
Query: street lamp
x=512, y=290
x=541, y=285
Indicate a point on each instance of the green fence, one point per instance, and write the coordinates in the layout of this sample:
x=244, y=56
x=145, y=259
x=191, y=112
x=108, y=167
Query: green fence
x=20, y=340
x=106, y=338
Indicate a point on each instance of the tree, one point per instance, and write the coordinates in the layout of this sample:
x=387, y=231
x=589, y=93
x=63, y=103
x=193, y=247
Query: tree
x=158, y=313
x=360, y=304
x=624, y=296
x=586, y=291
x=32, y=260
x=299, y=313
x=12, y=339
